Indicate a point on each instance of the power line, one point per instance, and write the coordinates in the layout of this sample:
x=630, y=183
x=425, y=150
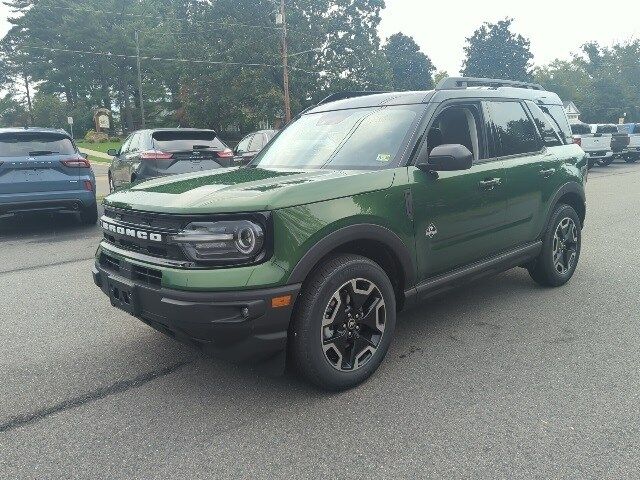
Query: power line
x=155, y=17
x=180, y=60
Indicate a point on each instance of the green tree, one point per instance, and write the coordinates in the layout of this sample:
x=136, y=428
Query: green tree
x=411, y=69
x=439, y=76
x=494, y=51
x=12, y=112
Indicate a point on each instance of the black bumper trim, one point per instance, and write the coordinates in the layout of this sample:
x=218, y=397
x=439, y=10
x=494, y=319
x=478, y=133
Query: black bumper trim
x=237, y=325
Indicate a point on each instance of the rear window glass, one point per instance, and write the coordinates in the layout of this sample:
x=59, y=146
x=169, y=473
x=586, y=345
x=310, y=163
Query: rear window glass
x=177, y=141
x=606, y=129
x=580, y=129
x=549, y=130
x=32, y=144
x=559, y=118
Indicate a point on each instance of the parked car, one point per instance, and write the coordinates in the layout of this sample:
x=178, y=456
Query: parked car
x=632, y=153
x=160, y=152
x=251, y=145
x=41, y=169
x=595, y=140
x=357, y=209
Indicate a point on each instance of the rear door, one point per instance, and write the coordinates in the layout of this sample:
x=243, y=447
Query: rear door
x=118, y=164
x=530, y=165
x=32, y=162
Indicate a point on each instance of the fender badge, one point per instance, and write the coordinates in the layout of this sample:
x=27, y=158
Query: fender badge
x=432, y=231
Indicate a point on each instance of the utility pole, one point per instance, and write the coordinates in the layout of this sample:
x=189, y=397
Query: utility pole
x=285, y=64
x=26, y=86
x=139, y=82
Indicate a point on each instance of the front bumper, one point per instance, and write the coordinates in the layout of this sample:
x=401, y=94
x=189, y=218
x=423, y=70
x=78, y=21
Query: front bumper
x=237, y=325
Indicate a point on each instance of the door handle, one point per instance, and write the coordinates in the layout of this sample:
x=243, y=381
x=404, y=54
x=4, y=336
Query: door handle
x=547, y=173
x=490, y=183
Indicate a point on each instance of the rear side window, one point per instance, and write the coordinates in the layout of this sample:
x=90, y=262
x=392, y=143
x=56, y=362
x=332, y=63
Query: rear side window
x=516, y=132
x=606, y=129
x=32, y=144
x=183, y=141
x=580, y=129
x=550, y=133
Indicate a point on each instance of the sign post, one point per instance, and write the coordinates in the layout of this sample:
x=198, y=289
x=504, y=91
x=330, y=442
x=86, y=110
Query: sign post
x=70, y=122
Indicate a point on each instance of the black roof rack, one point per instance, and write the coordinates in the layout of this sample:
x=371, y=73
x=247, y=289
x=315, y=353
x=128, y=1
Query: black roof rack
x=452, y=83
x=334, y=97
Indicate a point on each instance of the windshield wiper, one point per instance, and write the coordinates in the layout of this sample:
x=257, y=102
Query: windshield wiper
x=36, y=153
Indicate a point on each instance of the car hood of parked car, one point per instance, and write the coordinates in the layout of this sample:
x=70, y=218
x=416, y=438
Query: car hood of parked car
x=246, y=189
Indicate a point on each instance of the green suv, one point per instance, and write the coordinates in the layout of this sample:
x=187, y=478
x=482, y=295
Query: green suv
x=364, y=205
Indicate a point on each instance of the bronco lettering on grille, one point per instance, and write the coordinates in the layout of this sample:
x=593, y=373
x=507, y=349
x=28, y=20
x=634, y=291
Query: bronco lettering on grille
x=131, y=232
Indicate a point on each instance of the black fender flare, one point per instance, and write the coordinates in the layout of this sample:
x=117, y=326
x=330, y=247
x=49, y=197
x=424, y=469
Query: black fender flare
x=570, y=187
x=365, y=231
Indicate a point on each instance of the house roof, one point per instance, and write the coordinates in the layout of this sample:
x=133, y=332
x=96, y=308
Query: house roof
x=569, y=104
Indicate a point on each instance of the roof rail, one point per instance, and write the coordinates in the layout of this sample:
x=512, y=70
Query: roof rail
x=334, y=97
x=451, y=83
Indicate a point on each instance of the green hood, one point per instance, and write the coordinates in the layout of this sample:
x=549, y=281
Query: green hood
x=247, y=189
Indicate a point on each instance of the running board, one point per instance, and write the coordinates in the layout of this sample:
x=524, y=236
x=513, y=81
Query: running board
x=490, y=266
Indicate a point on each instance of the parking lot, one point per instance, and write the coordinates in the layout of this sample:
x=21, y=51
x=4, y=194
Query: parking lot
x=502, y=379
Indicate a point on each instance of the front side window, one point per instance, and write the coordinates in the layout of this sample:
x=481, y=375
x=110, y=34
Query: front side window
x=516, y=131
x=359, y=138
x=458, y=125
x=33, y=144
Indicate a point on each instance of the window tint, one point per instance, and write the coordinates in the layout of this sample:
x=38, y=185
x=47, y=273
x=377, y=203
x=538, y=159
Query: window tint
x=559, y=118
x=606, y=129
x=549, y=132
x=31, y=144
x=186, y=140
x=243, y=146
x=580, y=129
x=516, y=131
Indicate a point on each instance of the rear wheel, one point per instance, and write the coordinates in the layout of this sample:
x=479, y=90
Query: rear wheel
x=344, y=322
x=89, y=215
x=560, y=249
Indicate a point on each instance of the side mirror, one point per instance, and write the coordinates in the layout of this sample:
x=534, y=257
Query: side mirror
x=448, y=157
x=84, y=155
x=112, y=152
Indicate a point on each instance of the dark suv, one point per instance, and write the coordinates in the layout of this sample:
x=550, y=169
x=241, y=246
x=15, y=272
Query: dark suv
x=155, y=153
x=357, y=209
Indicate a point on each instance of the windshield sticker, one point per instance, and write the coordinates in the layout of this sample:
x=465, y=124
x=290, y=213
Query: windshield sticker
x=383, y=157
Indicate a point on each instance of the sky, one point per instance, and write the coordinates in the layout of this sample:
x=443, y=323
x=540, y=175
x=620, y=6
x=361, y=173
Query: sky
x=556, y=29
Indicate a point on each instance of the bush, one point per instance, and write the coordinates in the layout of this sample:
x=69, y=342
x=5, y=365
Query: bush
x=115, y=139
x=94, y=137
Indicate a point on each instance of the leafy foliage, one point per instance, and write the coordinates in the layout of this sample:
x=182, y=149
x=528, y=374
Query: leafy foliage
x=411, y=69
x=494, y=51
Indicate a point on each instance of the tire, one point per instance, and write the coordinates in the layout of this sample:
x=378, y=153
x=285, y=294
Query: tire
x=89, y=216
x=333, y=305
x=631, y=159
x=560, y=252
x=605, y=162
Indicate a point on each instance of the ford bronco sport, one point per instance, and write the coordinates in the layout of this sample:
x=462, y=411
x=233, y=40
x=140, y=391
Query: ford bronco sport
x=360, y=207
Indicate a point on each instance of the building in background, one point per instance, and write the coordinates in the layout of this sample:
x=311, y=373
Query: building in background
x=572, y=112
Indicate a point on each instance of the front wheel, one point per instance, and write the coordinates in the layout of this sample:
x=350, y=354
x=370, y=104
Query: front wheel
x=344, y=322
x=560, y=249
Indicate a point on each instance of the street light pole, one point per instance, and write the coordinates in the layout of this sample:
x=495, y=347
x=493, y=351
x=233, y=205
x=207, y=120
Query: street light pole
x=139, y=82
x=285, y=65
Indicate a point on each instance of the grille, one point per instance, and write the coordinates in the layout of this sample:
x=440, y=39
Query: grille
x=150, y=276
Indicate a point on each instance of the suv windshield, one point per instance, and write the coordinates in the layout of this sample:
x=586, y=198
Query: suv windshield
x=182, y=141
x=31, y=144
x=362, y=138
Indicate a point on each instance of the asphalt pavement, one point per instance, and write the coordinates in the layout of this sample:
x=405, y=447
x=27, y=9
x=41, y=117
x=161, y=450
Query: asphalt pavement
x=500, y=379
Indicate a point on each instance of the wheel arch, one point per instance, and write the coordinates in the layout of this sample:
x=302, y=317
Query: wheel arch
x=369, y=240
x=571, y=194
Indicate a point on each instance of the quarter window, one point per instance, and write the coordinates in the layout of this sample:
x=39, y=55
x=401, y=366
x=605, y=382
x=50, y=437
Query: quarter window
x=550, y=134
x=516, y=131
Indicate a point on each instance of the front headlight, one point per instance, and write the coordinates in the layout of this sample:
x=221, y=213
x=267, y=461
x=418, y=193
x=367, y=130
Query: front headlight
x=223, y=242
